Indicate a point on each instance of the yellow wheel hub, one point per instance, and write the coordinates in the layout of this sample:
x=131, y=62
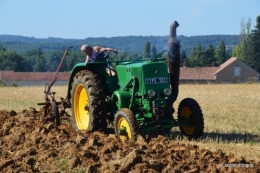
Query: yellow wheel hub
x=122, y=123
x=186, y=113
x=81, y=111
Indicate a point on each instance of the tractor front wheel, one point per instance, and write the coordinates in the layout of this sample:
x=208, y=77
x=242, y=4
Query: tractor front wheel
x=125, y=124
x=189, y=112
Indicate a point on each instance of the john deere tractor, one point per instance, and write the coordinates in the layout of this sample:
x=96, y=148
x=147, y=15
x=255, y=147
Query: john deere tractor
x=134, y=99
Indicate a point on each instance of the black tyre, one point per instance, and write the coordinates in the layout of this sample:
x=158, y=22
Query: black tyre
x=88, y=102
x=125, y=124
x=189, y=108
x=51, y=113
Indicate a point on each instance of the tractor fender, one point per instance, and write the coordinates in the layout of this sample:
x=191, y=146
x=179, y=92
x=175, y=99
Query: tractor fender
x=120, y=99
x=94, y=67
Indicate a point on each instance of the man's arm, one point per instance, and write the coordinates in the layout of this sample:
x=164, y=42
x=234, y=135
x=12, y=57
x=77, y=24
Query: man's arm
x=102, y=49
x=87, y=58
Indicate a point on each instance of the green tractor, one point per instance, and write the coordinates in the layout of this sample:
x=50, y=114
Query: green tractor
x=134, y=99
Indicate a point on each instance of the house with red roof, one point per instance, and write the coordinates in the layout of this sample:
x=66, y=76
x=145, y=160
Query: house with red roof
x=231, y=71
x=235, y=71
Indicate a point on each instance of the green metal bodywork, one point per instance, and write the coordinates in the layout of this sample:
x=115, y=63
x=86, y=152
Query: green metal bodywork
x=145, y=72
x=129, y=89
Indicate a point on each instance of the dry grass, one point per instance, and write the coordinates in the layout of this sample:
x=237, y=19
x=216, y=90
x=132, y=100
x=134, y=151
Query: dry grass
x=231, y=113
x=19, y=98
x=231, y=117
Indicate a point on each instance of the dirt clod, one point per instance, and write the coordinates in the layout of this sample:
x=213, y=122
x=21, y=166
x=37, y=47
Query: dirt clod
x=29, y=145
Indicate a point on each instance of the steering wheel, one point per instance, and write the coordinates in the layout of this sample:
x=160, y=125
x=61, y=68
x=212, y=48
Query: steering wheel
x=106, y=56
x=102, y=56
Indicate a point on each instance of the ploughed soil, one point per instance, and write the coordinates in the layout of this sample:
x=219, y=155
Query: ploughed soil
x=29, y=145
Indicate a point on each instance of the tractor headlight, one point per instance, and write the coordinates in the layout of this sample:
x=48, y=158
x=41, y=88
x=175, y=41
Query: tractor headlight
x=151, y=93
x=167, y=91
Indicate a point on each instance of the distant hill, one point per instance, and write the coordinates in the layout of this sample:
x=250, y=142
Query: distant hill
x=133, y=44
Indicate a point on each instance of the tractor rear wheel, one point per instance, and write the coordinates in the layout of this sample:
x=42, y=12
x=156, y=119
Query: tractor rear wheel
x=88, y=102
x=125, y=124
x=189, y=111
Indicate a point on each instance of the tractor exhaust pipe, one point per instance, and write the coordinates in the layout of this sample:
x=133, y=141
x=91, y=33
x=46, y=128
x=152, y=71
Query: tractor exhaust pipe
x=173, y=40
x=174, y=65
x=173, y=43
x=173, y=27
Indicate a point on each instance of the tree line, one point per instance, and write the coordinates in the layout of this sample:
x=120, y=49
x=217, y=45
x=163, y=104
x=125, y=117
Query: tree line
x=200, y=55
x=208, y=57
x=247, y=50
x=37, y=60
x=133, y=44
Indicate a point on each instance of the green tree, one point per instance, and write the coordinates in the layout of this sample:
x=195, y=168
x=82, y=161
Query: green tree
x=29, y=59
x=10, y=60
x=2, y=48
x=129, y=57
x=237, y=51
x=40, y=62
x=121, y=56
x=210, y=55
x=221, y=53
x=254, y=47
x=197, y=57
x=192, y=61
x=245, y=42
x=52, y=62
x=147, y=50
x=183, y=58
x=154, y=50
x=71, y=63
x=248, y=48
x=242, y=49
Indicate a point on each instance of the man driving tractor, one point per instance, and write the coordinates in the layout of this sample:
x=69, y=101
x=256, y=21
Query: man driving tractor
x=91, y=53
x=96, y=54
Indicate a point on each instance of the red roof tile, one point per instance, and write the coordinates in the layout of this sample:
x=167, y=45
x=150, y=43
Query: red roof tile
x=225, y=64
x=33, y=76
x=197, y=73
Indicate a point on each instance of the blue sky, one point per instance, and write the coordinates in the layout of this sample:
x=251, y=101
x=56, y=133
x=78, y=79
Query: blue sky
x=108, y=18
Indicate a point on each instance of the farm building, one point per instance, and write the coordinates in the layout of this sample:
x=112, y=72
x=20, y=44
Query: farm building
x=32, y=78
x=232, y=71
x=197, y=74
x=235, y=71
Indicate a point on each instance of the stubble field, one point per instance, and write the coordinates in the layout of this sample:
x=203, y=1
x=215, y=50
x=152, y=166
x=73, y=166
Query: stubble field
x=231, y=117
